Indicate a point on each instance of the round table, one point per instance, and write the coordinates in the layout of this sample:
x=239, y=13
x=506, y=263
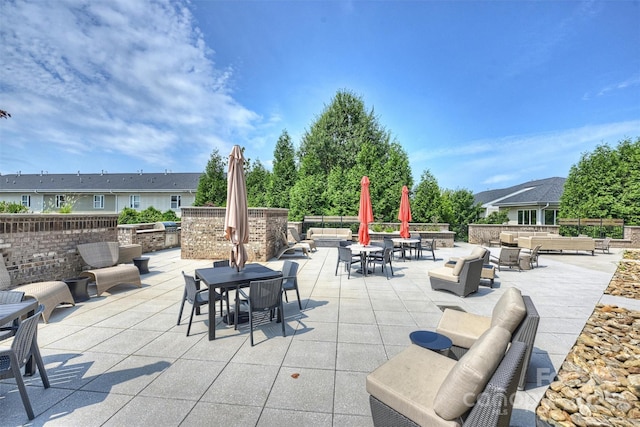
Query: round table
x=78, y=288
x=365, y=250
x=431, y=340
x=405, y=243
x=142, y=263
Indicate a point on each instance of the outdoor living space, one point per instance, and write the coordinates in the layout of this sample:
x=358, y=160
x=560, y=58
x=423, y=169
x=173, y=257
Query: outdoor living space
x=120, y=359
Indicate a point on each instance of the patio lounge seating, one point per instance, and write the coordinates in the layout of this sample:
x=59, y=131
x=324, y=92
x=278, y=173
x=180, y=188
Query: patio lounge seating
x=488, y=270
x=102, y=258
x=296, y=237
x=513, y=311
x=603, y=245
x=509, y=257
x=462, y=279
x=290, y=248
x=420, y=387
x=50, y=294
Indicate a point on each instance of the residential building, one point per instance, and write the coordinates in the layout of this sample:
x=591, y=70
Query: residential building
x=531, y=203
x=100, y=192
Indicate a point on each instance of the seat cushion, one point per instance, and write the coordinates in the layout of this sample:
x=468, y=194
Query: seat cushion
x=409, y=381
x=444, y=273
x=462, y=328
x=509, y=310
x=470, y=375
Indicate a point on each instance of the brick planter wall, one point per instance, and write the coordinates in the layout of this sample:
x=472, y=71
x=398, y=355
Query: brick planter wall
x=146, y=236
x=42, y=247
x=203, y=233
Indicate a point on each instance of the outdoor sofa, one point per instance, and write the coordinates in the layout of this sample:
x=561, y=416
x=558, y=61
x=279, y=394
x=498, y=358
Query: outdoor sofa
x=421, y=387
x=559, y=243
x=316, y=233
x=510, y=238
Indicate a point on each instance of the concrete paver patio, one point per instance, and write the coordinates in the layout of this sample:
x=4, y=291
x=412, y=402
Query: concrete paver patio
x=120, y=359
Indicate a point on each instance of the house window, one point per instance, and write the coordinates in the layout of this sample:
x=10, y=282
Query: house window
x=98, y=201
x=527, y=216
x=59, y=200
x=134, y=201
x=26, y=200
x=551, y=216
x=175, y=202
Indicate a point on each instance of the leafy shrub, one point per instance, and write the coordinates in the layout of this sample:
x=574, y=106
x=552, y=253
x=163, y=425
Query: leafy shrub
x=12, y=207
x=170, y=216
x=495, y=218
x=129, y=216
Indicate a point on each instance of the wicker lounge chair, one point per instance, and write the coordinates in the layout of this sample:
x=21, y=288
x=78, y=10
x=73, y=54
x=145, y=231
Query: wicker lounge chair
x=422, y=387
x=50, y=294
x=102, y=258
x=509, y=257
x=296, y=237
x=462, y=279
x=513, y=311
x=603, y=245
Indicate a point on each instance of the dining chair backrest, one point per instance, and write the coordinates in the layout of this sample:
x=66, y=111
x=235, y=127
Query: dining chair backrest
x=416, y=236
x=190, y=287
x=344, y=254
x=388, y=243
x=344, y=243
x=23, y=339
x=222, y=263
x=289, y=273
x=265, y=294
x=10, y=297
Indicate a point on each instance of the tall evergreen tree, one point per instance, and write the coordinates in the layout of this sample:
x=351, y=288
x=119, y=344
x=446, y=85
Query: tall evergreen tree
x=284, y=173
x=426, y=203
x=212, y=187
x=258, y=181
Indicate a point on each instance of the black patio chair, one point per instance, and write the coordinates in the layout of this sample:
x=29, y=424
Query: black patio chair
x=382, y=259
x=196, y=297
x=265, y=297
x=347, y=259
x=13, y=359
x=290, y=280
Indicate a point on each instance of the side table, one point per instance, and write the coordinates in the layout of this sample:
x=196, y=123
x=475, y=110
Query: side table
x=78, y=288
x=431, y=340
x=142, y=263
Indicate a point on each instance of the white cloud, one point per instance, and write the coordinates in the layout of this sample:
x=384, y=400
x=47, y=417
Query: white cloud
x=127, y=77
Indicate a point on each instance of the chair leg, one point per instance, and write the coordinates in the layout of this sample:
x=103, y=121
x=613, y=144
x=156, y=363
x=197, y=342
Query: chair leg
x=193, y=309
x=184, y=298
x=23, y=390
x=251, y=325
x=298, y=294
x=281, y=314
x=35, y=353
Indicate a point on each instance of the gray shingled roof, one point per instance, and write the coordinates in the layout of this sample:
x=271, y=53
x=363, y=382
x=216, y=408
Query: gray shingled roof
x=544, y=191
x=86, y=182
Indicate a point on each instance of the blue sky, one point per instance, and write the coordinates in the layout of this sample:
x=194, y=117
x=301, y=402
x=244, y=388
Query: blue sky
x=483, y=94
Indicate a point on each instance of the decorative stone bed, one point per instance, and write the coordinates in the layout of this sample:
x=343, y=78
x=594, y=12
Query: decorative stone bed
x=599, y=381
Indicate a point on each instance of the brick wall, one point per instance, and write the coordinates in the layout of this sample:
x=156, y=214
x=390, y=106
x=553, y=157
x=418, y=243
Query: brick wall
x=203, y=233
x=41, y=247
x=146, y=236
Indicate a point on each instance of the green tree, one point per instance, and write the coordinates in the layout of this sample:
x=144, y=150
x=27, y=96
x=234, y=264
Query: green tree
x=499, y=217
x=426, y=203
x=284, y=174
x=343, y=144
x=605, y=184
x=459, y=210
x=258, y=181
x=212, y=187
x=129, y=216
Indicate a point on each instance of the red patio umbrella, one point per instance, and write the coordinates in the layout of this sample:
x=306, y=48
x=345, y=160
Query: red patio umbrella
x=236, y=218
x=365, y=214
x=404, y=215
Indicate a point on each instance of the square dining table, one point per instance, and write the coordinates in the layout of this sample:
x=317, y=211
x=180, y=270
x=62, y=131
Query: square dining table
x=9, y=312
x=228, y=278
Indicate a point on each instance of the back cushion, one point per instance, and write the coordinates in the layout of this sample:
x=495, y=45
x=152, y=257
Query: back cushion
x=470, y=374
x=478, y=252
x=509, y=310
